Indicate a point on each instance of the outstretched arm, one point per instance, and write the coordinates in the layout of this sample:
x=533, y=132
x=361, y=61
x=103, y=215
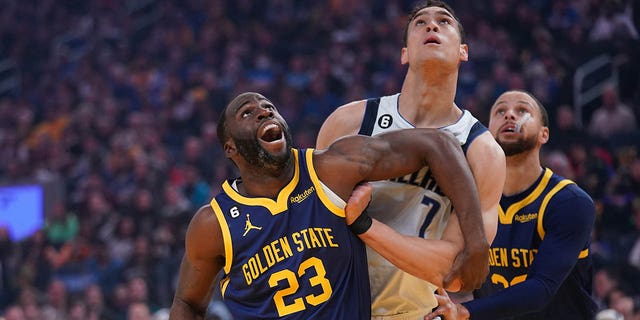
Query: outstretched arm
x=568, y=226
x=393, y=154
x=441, y=253
x=487, y=163
x=203, y=260
x=567, y=232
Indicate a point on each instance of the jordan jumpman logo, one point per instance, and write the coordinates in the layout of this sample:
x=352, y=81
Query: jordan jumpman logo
x=248, y=226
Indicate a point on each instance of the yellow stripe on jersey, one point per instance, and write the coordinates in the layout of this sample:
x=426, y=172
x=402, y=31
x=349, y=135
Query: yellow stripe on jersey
x=316, y=182
x=545, y=201
x=226, y=235
x=223, y=285
x=507, y=218
x=583, y=254
x=274, y=207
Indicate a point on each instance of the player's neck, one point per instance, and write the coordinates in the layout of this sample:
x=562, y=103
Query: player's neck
x=264, y=183
x=428, y=101
x=522, y=171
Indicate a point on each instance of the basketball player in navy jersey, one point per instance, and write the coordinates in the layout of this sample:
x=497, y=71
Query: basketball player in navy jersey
x=540, y=261
x=415, y=204
x=279, y=231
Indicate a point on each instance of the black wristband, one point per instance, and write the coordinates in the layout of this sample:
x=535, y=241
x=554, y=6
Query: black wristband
x=361, y=224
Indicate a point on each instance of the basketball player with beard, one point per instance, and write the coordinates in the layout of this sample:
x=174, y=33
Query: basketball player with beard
x=279, y=231
x=540, y=264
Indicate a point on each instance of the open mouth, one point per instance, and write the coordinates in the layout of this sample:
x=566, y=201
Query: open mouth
x=431, y=40
x=510, y=128
x=271, y=132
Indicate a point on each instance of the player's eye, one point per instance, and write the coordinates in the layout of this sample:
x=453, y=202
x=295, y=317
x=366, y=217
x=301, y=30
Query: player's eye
x=444, y=21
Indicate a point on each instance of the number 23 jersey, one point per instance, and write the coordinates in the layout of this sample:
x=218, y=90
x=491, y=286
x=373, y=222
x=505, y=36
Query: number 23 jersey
x=292, y=257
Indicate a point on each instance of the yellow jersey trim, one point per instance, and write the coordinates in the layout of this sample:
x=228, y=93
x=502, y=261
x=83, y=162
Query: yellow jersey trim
x=583, y=254
x=318, y=185
x=275, y=207
x=223, y=285
x=545, y=201
x=226, y=235
x=507, y=217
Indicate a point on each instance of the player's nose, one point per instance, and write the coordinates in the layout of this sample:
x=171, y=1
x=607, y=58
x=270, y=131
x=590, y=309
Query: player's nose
x=509, y=114
x=264, y=113
x=432, y=25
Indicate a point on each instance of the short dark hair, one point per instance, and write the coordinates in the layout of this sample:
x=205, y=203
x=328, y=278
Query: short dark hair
x=241, y=99
x=432, y=3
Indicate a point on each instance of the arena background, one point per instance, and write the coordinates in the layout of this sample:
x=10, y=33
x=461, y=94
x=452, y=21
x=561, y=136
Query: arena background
x=108, y=112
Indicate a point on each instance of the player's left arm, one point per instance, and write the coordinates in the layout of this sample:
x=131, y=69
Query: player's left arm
x=488, y=165
x=567, y=224
x=487, y=162
x=354, y=159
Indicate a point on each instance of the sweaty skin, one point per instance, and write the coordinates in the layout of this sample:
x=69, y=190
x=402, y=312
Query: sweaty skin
x=252, y=124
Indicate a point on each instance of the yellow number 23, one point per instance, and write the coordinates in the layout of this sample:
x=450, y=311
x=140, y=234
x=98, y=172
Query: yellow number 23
x=291, y=278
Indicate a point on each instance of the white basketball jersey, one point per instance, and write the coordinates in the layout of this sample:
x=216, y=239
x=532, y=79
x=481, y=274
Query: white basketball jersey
x=412, y=205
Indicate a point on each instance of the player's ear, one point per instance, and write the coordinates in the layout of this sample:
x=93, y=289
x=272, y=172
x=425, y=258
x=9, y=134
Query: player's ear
x=543, y=137
x=464, y=52
x=229, y=148
x=404, y=56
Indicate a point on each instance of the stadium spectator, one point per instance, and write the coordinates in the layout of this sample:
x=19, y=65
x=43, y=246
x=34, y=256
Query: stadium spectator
x=104, y=98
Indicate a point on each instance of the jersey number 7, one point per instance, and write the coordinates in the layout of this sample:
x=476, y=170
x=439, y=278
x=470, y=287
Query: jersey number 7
x=432, y=208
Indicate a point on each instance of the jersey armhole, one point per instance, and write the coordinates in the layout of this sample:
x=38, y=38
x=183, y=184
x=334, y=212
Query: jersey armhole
x=330, y=200
x=226, y=235
x=369, y=119
x=476, y=130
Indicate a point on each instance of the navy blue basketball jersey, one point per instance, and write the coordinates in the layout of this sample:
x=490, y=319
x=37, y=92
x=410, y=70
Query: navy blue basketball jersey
x=524, y=221
x=292, y=257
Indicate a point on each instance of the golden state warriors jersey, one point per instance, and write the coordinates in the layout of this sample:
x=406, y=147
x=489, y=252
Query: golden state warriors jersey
x=412, y=205
x=292, y=257
x=522, y=226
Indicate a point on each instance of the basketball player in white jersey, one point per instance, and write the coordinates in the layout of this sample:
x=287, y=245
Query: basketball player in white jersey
x=413, y=204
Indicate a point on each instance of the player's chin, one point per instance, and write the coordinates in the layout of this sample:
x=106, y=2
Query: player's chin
x=276, y=147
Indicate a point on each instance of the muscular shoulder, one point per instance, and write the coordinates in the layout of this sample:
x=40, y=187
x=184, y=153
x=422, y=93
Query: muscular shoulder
x=486, y=151
x=570, y=211
x=345, y=120
x=487, y=162
x=204, y=236
x=571, y=201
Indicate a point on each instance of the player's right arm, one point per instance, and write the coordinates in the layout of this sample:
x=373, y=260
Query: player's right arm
x=487, y=162
x=203, y=259
x=344, y=121
x=354, y=159
x=567, y=224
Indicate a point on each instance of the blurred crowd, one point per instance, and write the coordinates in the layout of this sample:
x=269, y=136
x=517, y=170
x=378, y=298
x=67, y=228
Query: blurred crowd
x=115, y=102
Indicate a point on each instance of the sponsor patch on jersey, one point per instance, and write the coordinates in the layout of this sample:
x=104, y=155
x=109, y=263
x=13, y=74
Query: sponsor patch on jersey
x=525, y=217
x=302, y=196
